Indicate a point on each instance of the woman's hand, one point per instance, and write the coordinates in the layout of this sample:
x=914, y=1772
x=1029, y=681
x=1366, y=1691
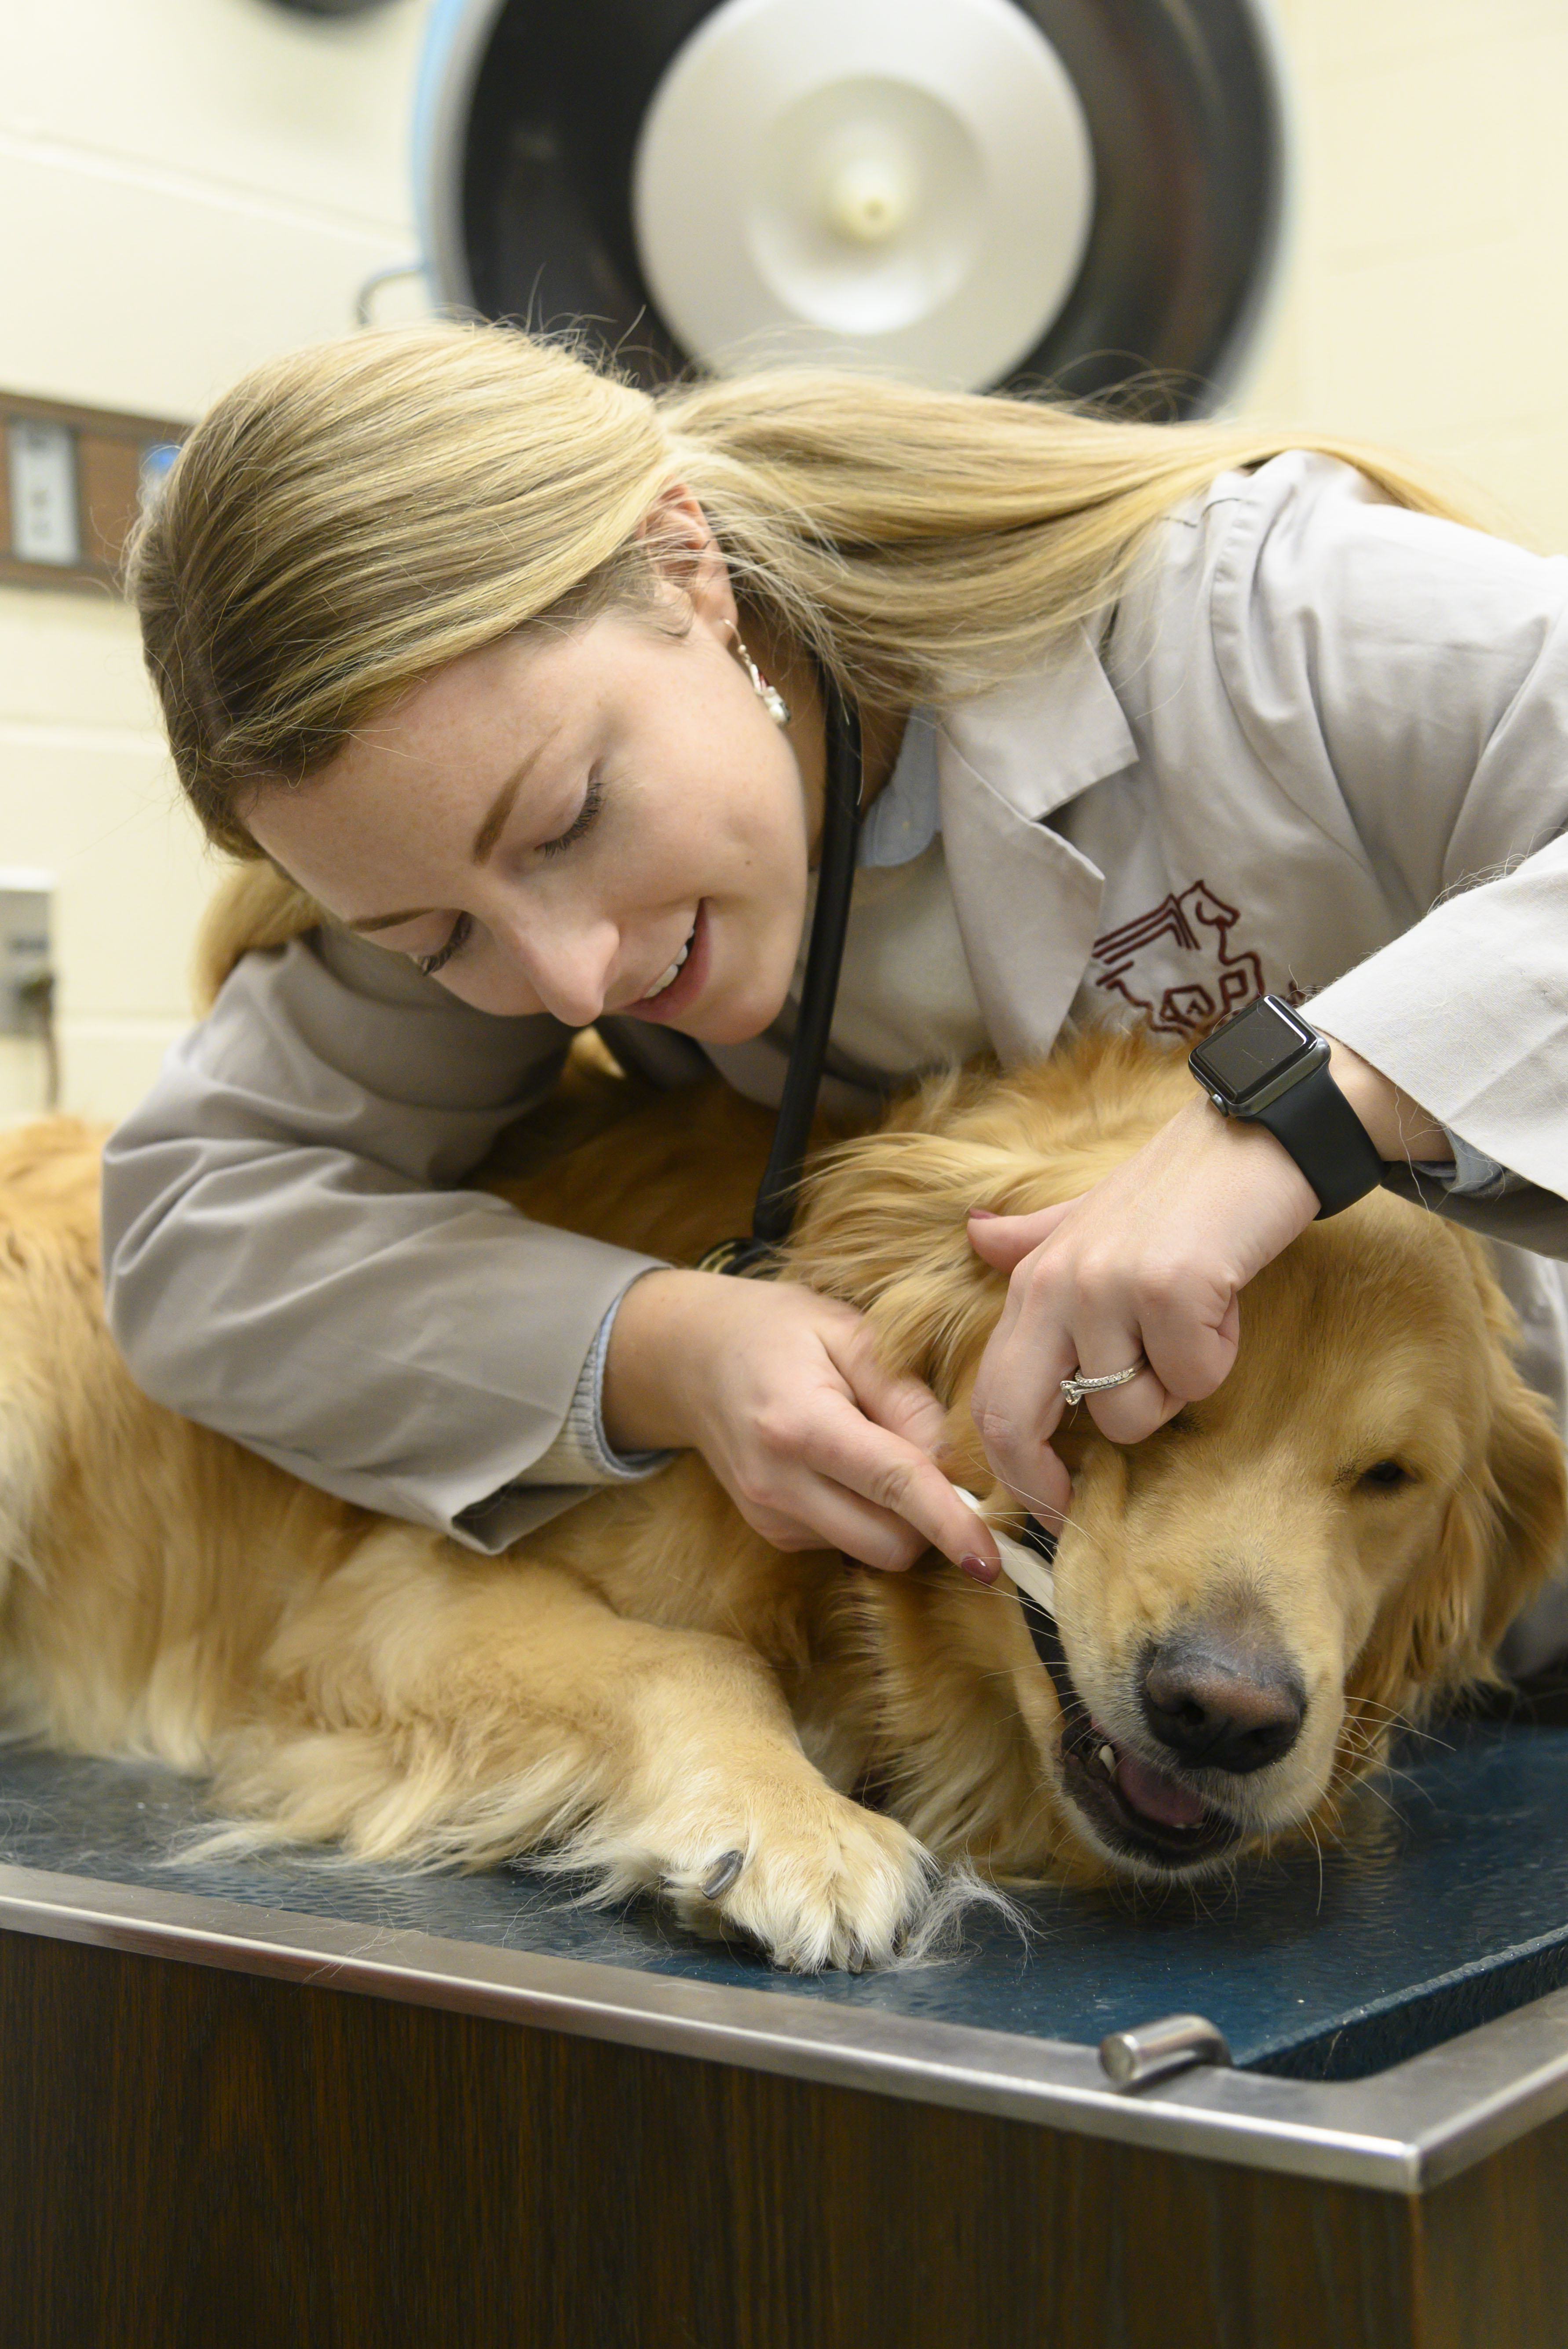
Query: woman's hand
x=1151, y=1263
x=779, y=1389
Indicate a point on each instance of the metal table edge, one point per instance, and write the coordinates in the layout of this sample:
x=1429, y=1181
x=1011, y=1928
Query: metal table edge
x=1399, y=2131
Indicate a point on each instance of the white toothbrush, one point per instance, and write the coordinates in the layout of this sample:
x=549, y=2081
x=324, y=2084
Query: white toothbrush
x=1027, y=1568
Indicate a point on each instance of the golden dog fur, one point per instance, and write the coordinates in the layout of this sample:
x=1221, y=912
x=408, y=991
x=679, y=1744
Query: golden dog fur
x=644, y=1691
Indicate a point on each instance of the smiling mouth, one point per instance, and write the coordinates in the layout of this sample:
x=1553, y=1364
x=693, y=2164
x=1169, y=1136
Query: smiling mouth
x=1137, y=1810
x=673, y=974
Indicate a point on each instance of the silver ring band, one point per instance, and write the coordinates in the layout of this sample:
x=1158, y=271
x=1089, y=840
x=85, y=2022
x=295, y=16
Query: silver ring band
x=1075, y=1386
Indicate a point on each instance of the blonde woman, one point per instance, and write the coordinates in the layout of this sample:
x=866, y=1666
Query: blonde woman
x=516, y=674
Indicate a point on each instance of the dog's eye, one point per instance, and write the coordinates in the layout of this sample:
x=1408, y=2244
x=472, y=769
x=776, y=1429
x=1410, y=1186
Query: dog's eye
x=1384, y=1475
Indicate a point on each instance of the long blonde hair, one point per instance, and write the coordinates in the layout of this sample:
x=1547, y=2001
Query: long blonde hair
x=349, y=517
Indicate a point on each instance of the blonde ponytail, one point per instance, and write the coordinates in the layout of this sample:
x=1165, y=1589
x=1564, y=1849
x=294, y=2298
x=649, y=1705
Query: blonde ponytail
x=927, y=544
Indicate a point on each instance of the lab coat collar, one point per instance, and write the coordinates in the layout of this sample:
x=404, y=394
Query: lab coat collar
x=1047, y=735
x=1027, y=901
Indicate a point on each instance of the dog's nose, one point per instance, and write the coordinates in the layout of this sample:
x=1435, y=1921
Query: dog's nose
x=1227, y=1707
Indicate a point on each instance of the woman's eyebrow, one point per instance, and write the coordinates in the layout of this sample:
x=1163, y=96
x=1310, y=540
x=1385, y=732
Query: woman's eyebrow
x=485, y=839
x=490, y=831
x=389, y=921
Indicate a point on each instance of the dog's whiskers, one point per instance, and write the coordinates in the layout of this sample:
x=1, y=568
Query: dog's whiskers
x=1405, y=1777
x=1054, y=1519
x=1393, y=1721
x=1364, y=1786
x=1406, y=1729
x=1310, y=1827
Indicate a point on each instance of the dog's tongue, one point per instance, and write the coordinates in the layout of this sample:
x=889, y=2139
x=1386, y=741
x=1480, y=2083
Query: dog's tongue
x=1156, y=1797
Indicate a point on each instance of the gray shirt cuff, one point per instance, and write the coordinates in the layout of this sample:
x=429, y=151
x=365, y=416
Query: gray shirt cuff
x=582, y=1453
x=1472, y=1174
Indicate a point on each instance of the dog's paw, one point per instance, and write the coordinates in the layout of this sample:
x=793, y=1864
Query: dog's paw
x=814, y=1878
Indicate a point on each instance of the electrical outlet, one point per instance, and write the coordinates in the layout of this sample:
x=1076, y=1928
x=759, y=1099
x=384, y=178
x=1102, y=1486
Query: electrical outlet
x=26, y=963
x=45, y=506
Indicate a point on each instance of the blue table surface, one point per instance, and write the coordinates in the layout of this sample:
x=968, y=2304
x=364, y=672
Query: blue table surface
x=1446, y=1903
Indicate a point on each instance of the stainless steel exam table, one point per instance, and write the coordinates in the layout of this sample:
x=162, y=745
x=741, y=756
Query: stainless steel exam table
x=280, y=2102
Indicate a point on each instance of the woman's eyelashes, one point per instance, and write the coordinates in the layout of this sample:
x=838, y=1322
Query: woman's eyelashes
x=583, y=821
x=457, y=938
x=462, y=927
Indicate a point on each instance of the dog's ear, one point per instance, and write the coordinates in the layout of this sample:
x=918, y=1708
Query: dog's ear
x=1528, y=1470
x=883, y=1227
x=1502, y=1536
x=1528, y=1480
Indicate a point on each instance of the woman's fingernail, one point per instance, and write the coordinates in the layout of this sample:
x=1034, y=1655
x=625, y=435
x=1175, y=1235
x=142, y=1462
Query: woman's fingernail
x=982, y=1214
x=979, y=1568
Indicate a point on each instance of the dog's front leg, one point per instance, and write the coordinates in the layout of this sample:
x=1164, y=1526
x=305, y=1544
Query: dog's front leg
x=425, y=1704
x=722, y=1811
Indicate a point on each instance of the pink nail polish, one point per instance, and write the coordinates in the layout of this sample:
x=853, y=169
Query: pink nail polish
x=978, y=1569
x=982, y=1214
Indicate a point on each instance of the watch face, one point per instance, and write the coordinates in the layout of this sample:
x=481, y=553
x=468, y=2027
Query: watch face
x=1252, y=1048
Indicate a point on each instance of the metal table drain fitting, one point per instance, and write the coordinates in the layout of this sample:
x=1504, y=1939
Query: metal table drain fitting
x=1153, y=2051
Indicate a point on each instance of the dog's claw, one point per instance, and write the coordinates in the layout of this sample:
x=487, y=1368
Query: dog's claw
x=722, y=1873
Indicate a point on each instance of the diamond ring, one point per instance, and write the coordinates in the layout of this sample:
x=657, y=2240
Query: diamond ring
x=1075, y=1386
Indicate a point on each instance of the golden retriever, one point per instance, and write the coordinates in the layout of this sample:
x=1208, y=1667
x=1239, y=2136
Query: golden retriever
x=645, y=1693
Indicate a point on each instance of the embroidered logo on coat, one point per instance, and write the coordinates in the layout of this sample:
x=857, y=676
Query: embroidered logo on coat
x=1189, y=931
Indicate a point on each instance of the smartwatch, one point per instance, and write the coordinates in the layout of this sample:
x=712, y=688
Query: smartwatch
x=1269, y=1066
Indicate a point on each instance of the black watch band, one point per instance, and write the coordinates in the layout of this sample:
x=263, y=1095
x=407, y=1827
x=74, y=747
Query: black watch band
x=1269, y=1067
x=1328, y=1140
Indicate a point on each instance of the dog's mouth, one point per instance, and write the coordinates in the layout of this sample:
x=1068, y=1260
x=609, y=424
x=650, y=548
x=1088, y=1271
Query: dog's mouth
x=1139, y=1812
x=1135, y=1809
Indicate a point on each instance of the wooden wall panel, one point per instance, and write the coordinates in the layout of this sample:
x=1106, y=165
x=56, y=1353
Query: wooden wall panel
x=109, y=452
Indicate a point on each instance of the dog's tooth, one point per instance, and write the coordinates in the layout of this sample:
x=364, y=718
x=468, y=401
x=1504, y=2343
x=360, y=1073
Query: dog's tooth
x=1106, y=1755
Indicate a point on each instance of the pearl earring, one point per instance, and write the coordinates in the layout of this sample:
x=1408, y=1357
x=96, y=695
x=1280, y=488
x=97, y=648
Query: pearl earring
x=770, y=697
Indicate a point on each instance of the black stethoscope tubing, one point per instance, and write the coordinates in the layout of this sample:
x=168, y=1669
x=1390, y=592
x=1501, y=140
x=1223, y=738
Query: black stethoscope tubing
x=775, y=1208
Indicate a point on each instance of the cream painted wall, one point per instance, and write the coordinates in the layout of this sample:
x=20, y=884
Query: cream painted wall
x=1423, y=304
x=192, y=184
x=188, y=185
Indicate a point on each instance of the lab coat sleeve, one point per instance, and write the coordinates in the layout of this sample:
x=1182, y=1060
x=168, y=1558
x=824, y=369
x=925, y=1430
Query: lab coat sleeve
x=290, y=1258
x=1406, y=681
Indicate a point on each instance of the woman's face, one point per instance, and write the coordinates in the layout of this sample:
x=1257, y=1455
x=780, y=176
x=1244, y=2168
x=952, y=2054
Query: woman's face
x=607, y=820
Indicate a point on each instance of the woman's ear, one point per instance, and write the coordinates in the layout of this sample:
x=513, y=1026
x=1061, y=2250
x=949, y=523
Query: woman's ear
x=685, y=553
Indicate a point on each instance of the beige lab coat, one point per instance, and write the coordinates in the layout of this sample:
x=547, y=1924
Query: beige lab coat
x=1321, y=748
